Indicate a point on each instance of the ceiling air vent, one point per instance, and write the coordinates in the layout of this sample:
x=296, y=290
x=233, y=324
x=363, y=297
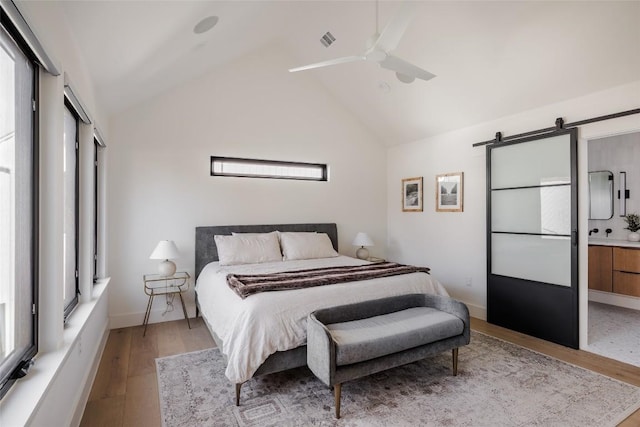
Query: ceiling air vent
x=327, y=39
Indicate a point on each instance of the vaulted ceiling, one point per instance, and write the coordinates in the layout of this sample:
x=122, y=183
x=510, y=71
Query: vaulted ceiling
x=491, y=58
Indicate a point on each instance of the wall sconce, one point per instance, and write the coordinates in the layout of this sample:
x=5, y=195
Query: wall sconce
x=623, y=193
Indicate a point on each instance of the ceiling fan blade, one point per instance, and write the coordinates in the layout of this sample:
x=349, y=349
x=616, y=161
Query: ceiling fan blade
x=404, y=68
x=327, y=63
x=393, y=32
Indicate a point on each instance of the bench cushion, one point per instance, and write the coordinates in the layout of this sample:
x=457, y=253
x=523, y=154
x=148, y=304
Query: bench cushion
x=377, y=336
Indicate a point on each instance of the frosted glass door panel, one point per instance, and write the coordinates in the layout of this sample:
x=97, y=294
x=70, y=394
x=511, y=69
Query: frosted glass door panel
x=542, y=162
x=542, y=210
x=539, y=258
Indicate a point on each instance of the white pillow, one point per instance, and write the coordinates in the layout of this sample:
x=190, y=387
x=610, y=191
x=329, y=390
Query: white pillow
x=306, y=246
x=276, y=233
x=248, y=249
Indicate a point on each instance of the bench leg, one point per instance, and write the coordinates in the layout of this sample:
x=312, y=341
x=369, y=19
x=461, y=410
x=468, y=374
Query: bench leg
x=454, y=353
x=238, y=385
x=337, y=390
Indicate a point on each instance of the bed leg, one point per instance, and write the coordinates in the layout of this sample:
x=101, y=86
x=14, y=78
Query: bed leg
x=238, y=386
x=454, y=354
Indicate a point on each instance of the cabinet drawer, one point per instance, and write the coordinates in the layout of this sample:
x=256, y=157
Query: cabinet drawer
x=626, y=283
x=600, y=266
x=625, y=259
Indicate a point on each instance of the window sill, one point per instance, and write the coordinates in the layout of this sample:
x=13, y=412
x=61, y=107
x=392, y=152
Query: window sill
x=23, y=400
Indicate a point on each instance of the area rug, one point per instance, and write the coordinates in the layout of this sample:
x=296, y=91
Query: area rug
x=498, y=384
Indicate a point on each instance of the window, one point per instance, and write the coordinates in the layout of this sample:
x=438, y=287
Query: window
x=71, y=180
x=18, y=209
x=251, y=168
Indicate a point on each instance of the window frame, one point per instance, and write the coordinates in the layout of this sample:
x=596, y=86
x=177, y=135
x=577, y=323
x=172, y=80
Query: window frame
x=68, y=308
x=324, y=167
x=23, y=362
x=96, y=148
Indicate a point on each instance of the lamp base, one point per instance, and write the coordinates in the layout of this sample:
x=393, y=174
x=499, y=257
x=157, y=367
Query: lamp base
x=362, y=253
x=166, y=268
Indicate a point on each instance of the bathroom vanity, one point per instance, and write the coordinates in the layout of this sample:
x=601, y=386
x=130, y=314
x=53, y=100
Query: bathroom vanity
x=614, y=266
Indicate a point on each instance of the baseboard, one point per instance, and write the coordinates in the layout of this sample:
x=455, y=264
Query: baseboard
x=91, y=376
x=615, y=299
x=477, y=311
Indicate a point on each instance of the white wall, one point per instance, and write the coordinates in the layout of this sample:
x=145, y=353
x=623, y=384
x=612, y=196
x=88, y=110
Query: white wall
x=619, y=153
x=159, y=182
x=454, y=244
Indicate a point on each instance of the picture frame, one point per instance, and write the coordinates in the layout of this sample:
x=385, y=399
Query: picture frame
x=412, y=194
x=450, y=192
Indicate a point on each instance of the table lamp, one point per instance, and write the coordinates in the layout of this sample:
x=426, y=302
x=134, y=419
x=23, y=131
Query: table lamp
x=166, y=250
x=362, y=240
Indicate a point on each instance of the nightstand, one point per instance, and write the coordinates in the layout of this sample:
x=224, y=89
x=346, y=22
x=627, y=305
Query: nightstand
x=157, y=285
x=374, y=259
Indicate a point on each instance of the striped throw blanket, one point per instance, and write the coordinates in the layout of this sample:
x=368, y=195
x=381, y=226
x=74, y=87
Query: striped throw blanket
x=249, y=284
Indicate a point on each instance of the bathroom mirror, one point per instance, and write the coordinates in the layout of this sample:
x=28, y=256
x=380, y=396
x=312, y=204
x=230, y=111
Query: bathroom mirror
x=600, y=195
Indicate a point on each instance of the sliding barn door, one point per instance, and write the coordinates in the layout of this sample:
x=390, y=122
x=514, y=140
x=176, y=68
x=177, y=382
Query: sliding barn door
x=532, y=222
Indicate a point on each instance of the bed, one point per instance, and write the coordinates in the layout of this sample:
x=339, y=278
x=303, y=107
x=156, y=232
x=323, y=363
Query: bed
x=266, y=332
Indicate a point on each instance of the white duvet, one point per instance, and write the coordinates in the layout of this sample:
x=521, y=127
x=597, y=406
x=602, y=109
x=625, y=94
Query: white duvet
x=258, y=326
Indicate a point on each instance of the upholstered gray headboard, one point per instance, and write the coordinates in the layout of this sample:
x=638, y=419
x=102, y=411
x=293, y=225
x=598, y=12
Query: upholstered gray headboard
x=207, y=252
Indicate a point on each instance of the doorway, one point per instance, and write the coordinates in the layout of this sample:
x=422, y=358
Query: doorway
x=614, y=309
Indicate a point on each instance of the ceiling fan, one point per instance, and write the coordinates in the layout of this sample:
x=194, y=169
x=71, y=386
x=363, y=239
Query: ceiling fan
x=380, y=45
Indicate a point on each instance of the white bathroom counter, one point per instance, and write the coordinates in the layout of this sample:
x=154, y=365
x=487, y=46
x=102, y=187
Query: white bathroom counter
x=602, y=241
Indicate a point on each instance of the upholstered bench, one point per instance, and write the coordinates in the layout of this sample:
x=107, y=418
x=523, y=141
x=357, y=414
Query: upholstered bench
x=352, y=341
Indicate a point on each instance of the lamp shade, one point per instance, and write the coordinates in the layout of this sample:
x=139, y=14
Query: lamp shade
x=165, y=249
x=362, y=239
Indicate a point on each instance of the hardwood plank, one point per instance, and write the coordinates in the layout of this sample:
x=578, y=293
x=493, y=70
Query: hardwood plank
x=632, y=421
x=147, y=342
x=170, y=338
x=105, y=412
x=198, y=337
x=141, y=407
x=111, y=378
x=144, y=350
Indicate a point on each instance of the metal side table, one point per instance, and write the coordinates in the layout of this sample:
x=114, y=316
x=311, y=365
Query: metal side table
x=157, y=285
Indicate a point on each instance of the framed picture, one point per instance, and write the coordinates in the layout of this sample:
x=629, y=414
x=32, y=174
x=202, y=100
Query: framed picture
x=412, y=194
x=449, y=192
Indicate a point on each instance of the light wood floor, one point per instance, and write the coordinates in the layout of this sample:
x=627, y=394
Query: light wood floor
x=125, y=391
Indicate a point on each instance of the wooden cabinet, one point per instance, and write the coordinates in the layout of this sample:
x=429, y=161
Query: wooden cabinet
x=626, y=271
x=600, y=268
x=614, y=269
x=626, y=259
x=626, y=283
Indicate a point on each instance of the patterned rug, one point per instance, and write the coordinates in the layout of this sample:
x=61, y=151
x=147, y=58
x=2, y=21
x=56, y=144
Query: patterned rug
x=498, y=384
